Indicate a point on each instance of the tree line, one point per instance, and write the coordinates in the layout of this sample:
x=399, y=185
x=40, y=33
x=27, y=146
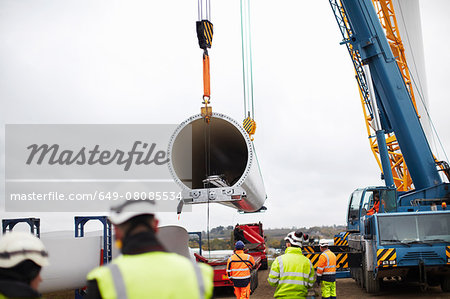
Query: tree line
x=221, y=237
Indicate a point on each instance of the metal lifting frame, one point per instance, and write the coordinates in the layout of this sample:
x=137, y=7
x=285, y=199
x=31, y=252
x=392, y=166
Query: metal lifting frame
x=34, y=223
x=199, y=234
x=80, y=221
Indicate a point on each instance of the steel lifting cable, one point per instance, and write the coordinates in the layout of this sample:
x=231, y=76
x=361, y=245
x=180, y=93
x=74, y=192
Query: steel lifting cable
x=207, y=137
x=249, y=123
x=205, y=34
x=247, y=69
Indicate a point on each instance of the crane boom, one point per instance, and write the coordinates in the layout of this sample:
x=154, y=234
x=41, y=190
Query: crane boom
x=397, y=111
x=386, y=15
x=392, y=240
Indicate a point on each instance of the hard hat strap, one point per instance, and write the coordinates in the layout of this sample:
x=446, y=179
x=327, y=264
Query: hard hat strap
x=7, y=255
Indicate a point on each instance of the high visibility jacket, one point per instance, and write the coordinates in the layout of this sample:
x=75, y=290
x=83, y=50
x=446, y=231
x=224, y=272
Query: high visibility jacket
x=374, y=209
x=326, y=267
x=292, y=273
x=153, y=275
x=239, y=265
x=10, y=288
x=14, y=297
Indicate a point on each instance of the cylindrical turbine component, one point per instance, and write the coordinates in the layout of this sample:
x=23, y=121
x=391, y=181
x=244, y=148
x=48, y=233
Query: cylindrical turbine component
x=216, y=162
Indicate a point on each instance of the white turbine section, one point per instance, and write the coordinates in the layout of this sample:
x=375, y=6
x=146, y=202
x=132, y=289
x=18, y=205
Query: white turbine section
x=216, y=162
x=407, y=13
x=71, y=259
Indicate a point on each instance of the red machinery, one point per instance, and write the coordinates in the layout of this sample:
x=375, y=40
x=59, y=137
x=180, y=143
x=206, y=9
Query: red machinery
x=253, y=238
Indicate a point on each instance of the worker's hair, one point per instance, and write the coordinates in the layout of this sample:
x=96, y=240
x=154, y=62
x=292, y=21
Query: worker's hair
x=376, y=194
x=138, y=221
x=293, y=245
x=25, y=271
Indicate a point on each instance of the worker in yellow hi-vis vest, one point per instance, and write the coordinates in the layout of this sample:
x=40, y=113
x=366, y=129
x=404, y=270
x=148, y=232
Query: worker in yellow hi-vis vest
x=292, y=273
x=145, y=269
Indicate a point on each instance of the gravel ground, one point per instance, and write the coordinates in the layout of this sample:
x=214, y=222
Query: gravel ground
x=346, y=288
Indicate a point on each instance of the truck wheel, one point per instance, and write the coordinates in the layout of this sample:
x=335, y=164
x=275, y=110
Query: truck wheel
x=362, y=275
x=264, y=265
x=372, y=285
x=433, y=281
x=357, y=277
x=445, y=284
x=256, y=279
x=253, y=281
x=362, y=284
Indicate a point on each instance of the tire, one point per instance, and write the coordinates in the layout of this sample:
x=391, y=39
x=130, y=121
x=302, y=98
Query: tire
x=357, y=277
x=445, y=284
x=253, y=281
x=264, y=265
x=372, y=285
x=360, y=278
x=256, y=279
x=433, y=281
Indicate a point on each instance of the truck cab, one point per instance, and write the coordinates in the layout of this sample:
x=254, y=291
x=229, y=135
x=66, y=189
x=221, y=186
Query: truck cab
x=362, y=200
x=406, y=246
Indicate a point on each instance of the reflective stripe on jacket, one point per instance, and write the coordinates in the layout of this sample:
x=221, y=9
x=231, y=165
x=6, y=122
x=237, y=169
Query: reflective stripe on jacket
x=292, y=273
x=239, y=268
x=153, y=275
x=326, y=267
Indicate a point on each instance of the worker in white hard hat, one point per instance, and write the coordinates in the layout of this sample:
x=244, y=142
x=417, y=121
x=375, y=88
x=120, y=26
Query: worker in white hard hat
x=326, y=271
x=22, y=256
x=292, y=273
x=145, y=269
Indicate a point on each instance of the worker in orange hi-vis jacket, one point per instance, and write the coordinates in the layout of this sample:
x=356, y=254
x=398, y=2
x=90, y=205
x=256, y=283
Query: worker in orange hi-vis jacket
x=239, y=266
x=376, y=204
x=326, y=271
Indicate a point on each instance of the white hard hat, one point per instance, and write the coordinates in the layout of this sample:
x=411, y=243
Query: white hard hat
x=295, y=238
x=125, y=210
x=323, y=243
x=16, y=247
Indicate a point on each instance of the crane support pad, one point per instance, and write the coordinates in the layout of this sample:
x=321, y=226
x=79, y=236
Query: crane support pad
x=204, y=34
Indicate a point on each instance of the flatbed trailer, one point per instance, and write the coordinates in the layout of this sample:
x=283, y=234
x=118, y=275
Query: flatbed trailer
x=220, y=270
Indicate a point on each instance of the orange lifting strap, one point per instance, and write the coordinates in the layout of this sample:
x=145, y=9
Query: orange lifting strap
x=206, y=111
x=206, y=78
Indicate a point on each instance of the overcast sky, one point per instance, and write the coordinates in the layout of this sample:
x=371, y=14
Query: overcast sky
x=94, y=61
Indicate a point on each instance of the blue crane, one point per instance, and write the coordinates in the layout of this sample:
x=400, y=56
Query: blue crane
x=409, y=236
